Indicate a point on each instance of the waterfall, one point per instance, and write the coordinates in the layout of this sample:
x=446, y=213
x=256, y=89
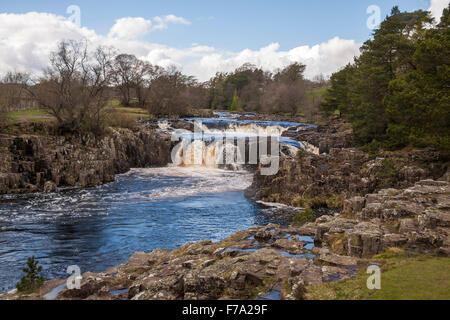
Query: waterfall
x=230, y=143
x=210, y=154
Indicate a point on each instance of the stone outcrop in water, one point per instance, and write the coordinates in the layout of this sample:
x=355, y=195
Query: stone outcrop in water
x=335, y=134
x=327, y=179
x=415, y=218
x=44, y=163
x=276, y=260
x=247, y=265
x=279, y=260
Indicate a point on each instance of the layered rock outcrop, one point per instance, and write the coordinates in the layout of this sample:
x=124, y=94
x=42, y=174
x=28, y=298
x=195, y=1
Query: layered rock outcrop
x=274, y=259
x=44, y=163
x=247, y=265
x=340, y=171
x=415, y=218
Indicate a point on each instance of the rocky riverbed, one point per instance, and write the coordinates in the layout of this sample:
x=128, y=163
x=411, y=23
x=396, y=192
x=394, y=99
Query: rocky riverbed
x=373, y=203
x=277, y=261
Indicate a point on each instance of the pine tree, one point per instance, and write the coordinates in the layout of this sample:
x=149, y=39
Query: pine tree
x=32, y=279
x=397, y=92
x=235, y=102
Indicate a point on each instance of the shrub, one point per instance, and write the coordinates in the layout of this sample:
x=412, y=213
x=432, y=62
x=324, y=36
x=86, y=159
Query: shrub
x=335, y=202
x=119, y=119
x=373, y=149
x=301, y=154
x=303, y=217
x=388, y=174
x=32, y=279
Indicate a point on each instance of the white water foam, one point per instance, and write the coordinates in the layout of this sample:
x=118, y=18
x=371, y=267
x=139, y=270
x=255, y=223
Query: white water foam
x=199, y=180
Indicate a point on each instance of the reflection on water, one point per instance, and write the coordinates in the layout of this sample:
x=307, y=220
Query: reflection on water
x=101, y=227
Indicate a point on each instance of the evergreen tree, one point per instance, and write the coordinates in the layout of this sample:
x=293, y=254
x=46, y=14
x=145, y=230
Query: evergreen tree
x=32, y=279
x=397, y=91
x=337, y=96
x=235, y=102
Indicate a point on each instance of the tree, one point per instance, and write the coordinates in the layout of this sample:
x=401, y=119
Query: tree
x=418, y=102
x=12, y=93
x=397, y=91
x=131, y=76
x=382, y=59
x=287, y=91
x=246, y=82
x=74, y=89
x=32, y=279
x=144, y=74
x=337, y=96
x=234, y=103
x=123, y=75
x=291, y=74
x=172, y=93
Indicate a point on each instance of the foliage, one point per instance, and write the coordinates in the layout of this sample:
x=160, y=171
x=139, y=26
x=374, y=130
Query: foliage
x=251, y=89
x=397, y=91
x=373, y=149
x=303, y=217
x=301, y=154
x=234, y=102
x=32, y=279
x=388, y=174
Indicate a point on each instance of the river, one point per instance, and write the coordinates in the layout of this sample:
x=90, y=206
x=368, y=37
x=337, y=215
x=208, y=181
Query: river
x=97, y=228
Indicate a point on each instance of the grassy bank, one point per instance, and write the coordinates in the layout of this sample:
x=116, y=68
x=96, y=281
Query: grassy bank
x=115, y=112
x=404, y=276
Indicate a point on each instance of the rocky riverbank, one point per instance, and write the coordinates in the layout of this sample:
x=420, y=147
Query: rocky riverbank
x=31, y=162
x=339, y=170
x=275, y=261
x=390, y=200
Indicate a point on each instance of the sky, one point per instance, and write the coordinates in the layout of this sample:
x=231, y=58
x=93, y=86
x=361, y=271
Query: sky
x=199, y=37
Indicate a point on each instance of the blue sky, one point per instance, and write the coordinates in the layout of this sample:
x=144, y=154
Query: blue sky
x=199, y=37
x=232, y=25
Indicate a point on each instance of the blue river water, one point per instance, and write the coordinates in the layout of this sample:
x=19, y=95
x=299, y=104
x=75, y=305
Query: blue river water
x=145, y=209
x=100, y=227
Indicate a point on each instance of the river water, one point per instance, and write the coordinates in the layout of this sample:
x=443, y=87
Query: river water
x=97, y=228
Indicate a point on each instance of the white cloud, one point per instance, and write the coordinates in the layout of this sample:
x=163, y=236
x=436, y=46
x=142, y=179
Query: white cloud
x=164, y=21
x=436, y=8
x=130, y=28
x=27, y=39
x=324, y=58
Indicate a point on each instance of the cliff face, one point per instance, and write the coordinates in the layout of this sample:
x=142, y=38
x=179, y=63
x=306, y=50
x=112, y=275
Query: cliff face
x=340, y=171
x=43, y=163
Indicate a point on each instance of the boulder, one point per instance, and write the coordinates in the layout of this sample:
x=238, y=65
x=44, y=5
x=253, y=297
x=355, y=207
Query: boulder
x=50, y=186
x=365, y=240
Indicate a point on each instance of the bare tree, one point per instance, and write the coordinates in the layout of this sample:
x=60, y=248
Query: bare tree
x=123, y=75
x=287, y=92
x=173, y=93
x=12, y=93
x=145, y=73
x=131, y=76
x=74, y=87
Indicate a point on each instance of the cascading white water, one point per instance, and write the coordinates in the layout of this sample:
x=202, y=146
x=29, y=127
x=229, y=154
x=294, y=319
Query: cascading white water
x=209, y=154
x=223, y=143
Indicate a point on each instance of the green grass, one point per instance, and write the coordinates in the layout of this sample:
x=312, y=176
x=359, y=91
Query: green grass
x=318, y=93
x=403, y=277
x=134, y=112
x=30, y=114
x=42, y=115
